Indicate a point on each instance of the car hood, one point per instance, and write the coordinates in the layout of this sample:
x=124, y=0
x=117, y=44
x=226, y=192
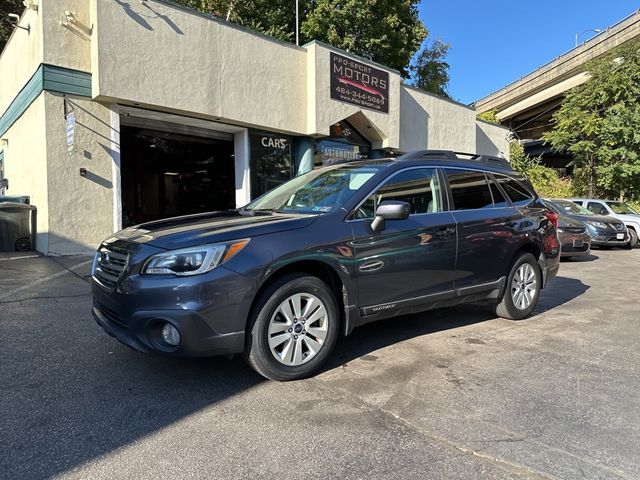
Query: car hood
x=566, y=221
x=200, y=229
x=592, y=218
x=629, y=217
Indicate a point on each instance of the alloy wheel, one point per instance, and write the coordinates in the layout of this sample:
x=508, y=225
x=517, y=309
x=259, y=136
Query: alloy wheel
x=298, y=329
x=524, y=286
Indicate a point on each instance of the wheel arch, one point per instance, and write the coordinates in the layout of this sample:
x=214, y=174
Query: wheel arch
x=535, y=250
x=325, y=272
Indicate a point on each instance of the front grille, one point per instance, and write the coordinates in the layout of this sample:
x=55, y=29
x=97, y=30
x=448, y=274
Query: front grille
x=574, y=229
x=617, y=226
x=110, y=264
x=111, y=315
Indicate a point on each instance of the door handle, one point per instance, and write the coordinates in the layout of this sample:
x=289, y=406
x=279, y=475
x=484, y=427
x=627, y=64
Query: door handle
x=445, y=232
x=371, y=266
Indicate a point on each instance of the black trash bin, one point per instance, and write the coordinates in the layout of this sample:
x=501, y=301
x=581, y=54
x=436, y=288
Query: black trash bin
x=17, y=227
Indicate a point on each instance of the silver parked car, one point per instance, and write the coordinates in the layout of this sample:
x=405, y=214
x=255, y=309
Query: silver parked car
x=618, y=210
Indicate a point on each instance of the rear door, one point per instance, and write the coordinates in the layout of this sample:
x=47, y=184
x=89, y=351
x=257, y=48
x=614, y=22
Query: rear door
x=486, y=226
x=411, y=261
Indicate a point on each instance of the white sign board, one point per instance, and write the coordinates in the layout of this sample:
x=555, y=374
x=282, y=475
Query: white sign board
x=71, y=127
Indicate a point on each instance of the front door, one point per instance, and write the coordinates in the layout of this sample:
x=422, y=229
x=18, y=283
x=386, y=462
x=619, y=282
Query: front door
x=410, y=261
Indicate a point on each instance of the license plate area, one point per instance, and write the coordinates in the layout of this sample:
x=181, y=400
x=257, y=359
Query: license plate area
x=578, y=243
x=620, y=236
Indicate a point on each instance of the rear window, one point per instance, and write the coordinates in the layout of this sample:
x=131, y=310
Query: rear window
x=517, y=193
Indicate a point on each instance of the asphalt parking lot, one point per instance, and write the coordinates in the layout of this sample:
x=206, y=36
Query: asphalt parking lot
x=453, y=393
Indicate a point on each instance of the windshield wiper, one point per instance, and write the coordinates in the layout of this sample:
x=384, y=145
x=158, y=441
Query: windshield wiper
x=253, y=211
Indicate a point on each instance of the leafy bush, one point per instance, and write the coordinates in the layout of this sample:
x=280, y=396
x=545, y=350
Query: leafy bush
x=545, y=180
x=490, y=116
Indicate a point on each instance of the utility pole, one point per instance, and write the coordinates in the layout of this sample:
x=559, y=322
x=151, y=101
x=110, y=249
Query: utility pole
x=297, y=22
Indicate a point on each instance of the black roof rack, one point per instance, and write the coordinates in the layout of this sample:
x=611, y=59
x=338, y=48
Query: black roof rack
x=456, y=156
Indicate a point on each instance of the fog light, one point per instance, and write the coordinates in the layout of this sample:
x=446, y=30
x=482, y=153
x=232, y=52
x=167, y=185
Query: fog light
x=170, y=334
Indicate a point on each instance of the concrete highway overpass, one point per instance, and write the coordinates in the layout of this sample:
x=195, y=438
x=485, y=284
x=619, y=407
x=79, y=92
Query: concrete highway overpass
x=527, y=104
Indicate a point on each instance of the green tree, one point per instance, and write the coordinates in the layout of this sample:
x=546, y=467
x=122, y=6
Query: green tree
x=7, y=7
x=430, y=71
x=544, y=179
x=385, y=31
x=599, y=123
x=490, y=116
x=275, y=18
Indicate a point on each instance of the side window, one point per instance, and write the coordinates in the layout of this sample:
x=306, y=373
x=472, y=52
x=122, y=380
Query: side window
x=470, y=190
x=418, y=187
x=518, y=194
x=499, y=199
x=597, y=208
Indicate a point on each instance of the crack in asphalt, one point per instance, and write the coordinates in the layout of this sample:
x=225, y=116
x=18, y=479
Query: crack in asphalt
x=81, y=277
x=66, y=270
x=501, y=462
x=56, y=297
x=511, y=467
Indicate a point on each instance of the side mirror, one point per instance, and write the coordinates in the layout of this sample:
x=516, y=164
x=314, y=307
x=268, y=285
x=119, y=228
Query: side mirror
x=390, y=210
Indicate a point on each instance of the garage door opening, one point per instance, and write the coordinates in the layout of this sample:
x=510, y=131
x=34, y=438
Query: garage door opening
x=174, y=170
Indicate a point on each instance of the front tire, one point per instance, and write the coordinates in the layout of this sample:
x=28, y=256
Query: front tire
x=293, y=328
x=523, y=289
x=633, y=239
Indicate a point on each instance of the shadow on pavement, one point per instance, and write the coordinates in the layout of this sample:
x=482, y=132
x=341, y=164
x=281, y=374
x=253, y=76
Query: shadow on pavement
x=580, y=258
x=71, y=394
x=373, y=336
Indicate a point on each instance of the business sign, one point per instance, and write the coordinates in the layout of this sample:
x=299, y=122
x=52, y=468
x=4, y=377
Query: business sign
x=358, y=83
x=70, y=127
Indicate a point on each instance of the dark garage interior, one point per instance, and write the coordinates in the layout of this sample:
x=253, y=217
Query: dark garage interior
x=165, y=174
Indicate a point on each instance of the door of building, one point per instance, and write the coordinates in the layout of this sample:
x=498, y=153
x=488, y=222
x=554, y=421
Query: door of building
x=167, y=173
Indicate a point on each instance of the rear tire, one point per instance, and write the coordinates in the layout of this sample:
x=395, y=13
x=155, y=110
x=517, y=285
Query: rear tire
x=522, y=290
x=293, y=328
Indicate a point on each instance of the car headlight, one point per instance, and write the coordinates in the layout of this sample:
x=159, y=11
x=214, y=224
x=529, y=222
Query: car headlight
x=597, y=224
x=194, y=260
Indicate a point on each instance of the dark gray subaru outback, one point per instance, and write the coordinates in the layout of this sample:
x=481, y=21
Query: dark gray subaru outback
x=282, y=278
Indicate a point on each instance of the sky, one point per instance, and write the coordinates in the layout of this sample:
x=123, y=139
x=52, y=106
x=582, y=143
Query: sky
x=494, y=42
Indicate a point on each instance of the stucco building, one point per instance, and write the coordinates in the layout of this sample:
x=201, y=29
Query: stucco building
x=114, y=112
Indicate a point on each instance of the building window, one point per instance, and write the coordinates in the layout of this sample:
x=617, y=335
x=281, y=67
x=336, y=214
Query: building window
x=344, y=143
x=271, y=161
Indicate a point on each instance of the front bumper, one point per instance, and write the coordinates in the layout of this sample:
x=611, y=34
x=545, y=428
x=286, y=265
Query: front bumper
x=608, y=238
x=574, y=244
x=210, y=312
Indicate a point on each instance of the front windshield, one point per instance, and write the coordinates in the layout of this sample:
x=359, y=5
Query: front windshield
x=567, y=206
x=621, y=208
x=319, y=191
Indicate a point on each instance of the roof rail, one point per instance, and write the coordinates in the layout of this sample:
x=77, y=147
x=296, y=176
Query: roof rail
x=456, y=156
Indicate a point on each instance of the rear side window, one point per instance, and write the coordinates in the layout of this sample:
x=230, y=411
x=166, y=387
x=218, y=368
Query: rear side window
x=418, y=187
x=517, y=192
x=470, y=190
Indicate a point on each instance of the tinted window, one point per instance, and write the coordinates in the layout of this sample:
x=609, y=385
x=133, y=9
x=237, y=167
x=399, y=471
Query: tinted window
x=498, y=197
x=570, y=207
x=597, y=208
x=418, y=187
x=470, y=190
x=518, y=194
